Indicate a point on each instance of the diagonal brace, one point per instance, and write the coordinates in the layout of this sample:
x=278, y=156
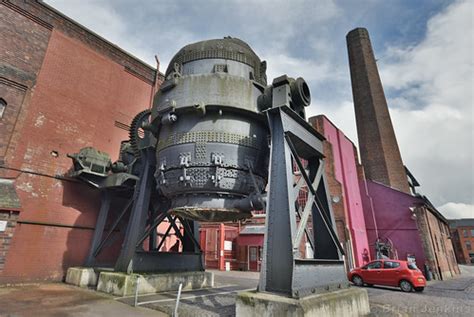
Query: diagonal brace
x=327, y=224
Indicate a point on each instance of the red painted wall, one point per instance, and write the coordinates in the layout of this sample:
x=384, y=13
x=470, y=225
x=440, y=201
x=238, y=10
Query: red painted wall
x=78, y=96
x=345, y=170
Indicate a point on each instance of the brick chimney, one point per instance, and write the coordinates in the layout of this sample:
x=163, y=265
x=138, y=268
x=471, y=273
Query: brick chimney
x=378, y=145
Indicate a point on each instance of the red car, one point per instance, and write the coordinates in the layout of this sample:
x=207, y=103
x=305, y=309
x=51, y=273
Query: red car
x=391, y=273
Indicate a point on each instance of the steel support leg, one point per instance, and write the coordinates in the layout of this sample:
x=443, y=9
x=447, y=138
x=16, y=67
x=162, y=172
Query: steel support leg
x=138, y=216
x=99, y=227
x=283, y=271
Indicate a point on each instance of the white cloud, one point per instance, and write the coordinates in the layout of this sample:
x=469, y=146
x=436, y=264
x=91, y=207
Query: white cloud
x=433, y=110
x=457, y=210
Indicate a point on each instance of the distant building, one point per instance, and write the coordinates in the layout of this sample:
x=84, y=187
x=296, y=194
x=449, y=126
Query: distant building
x=462, y=234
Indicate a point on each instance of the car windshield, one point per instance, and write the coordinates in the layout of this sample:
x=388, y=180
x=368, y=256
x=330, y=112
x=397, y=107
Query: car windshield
x=412, y=266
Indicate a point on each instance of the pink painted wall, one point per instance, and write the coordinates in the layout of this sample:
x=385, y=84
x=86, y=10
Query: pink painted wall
x=393, y=220
x=345, y=169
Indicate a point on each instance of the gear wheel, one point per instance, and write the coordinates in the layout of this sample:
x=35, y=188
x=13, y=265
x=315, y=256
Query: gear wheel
x=139, y=138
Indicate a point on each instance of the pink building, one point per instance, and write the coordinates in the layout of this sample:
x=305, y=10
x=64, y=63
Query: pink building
x=342, y=166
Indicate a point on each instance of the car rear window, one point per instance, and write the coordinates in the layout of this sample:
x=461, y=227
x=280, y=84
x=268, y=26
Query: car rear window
x=412, y=266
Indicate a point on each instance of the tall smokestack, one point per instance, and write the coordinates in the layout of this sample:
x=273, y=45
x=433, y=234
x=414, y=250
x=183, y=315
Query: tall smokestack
x=378, y=146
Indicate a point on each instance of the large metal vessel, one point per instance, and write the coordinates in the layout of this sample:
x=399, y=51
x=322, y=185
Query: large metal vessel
x=212, y=149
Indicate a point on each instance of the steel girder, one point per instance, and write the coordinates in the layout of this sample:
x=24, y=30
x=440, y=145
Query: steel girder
x=283, y=271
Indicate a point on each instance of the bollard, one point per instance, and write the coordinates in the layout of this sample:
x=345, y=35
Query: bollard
x=177, y=300
x=136, y=292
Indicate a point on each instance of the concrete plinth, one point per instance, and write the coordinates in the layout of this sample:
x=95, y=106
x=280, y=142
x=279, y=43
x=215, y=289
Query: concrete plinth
x=345, y=302
x=122, y=284
x=82, y=276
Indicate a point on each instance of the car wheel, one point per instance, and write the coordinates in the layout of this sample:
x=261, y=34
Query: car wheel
x=419, y=289
x=406, y=286
x=357, y=280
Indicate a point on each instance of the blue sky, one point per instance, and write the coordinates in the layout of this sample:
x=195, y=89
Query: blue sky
x=424, y=51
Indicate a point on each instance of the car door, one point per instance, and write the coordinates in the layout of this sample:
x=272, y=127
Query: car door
x=372, y=274
x=390, y=273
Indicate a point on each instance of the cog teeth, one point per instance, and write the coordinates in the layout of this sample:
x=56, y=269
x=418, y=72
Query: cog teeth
x=134, y=128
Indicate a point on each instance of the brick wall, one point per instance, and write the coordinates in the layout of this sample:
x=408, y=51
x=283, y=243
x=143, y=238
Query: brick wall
x=11, y=218
x=79, y=87
x=439, y=251
x=463, y=236
x=24, y=44
x=378, y=146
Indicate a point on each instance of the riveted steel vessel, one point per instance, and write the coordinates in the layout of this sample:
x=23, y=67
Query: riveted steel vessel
x=212, y=149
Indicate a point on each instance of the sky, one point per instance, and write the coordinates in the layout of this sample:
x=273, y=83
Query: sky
x=424, y=51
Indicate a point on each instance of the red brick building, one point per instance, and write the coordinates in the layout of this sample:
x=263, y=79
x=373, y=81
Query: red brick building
x=62, y=88
x=462, y=234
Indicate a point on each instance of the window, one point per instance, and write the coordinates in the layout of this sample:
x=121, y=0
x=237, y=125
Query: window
x=472, y=232
x=412, y=266
x=465, y=233
x=3, y=105
x=468, y=245
x=374, y=265
x=390, y=265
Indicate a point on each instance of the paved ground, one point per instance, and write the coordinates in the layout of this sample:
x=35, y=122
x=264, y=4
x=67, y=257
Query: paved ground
x=453, y=297
x=61, y=300
x=218, y=301
x=441, y=298
x=446, y=298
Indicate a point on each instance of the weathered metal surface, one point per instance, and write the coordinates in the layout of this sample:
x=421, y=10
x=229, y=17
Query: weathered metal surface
x=206, y=156
x=90, y=165
x=283, y=271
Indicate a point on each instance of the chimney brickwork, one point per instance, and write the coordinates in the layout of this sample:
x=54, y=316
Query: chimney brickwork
x=378, y=146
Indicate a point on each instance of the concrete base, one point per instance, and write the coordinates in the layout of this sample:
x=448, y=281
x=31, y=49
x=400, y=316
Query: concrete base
x=82, y=276
x=122, y=284
x=345, y=302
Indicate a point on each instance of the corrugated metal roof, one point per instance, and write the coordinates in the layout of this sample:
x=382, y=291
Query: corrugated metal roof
x=8, y=197
x=253, y=230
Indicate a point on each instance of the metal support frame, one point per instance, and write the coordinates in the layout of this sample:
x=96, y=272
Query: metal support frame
x=132, y=257
x=99, y=227
x=283, y=271
x=142, y=224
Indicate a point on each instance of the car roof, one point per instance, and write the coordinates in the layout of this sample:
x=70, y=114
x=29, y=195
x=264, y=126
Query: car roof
x=386, y=260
